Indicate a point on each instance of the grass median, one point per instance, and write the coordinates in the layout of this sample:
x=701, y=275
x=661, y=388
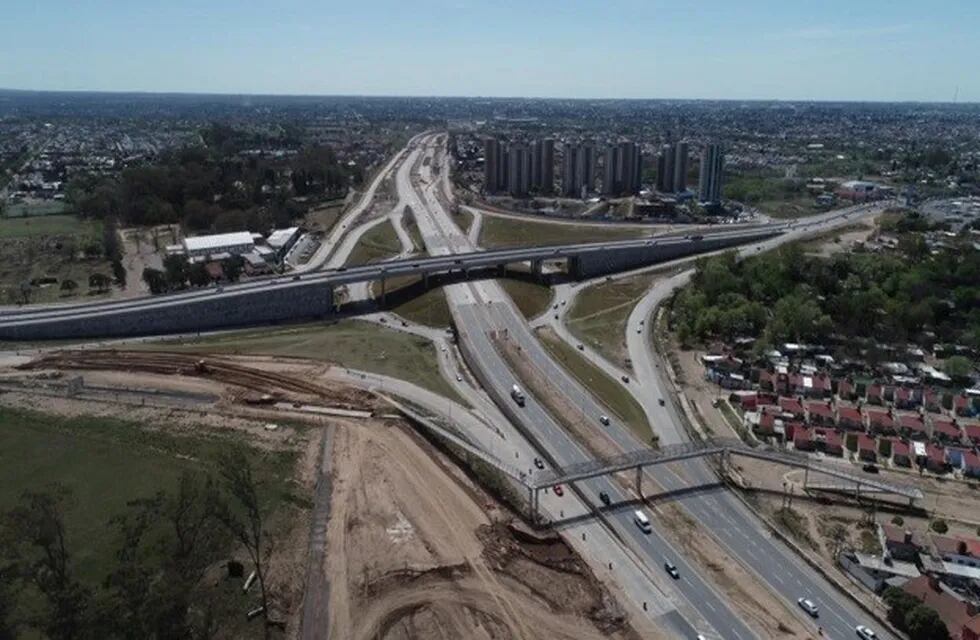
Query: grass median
x=380, y=243
x=508, y=232
x=599, y=314
x=607, y=390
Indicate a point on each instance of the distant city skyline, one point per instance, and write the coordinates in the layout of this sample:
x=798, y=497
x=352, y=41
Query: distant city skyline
x=875, y=50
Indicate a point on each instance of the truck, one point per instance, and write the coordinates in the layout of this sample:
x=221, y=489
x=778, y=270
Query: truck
x=517, y=395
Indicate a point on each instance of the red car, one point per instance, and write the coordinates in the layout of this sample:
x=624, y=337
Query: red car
x=559, y=491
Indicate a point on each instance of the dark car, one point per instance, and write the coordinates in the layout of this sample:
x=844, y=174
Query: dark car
x=559, y=491
x=870, y=468
x=661, y=402
x=604, y=498
x=539, y=463
x=671, y=570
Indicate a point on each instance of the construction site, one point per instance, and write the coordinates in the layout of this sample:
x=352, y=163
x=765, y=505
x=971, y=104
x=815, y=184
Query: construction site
x=389, y=538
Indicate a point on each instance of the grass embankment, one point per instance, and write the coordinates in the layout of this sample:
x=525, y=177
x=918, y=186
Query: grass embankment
x=50, y=246
x=531, y=298
x=380, y=243
x=465, y=220
x=608, y=391
x=107, y=463
x=349, y=343
x=599, y=314
x=507, y=232
x=324, y=217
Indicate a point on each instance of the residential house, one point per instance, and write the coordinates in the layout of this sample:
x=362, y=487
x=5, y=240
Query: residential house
x=881, y=422
x=956, y=550
x=828, y=441
x=899, y=543
x=774, y=381
x=793, y=407
x=850, y=418
x=945, y=430
x=901, y=455
x=931, y=401
x=846, y=390
x=802, y=437
x=935, y=459
x=810, y=386
x=906, y=398
x=971, y=464
x=866, y=448
x=874, y=394
x=972, y=431
x=819, y=413
x=962, y=406
x=911, y=425
x=955, y=613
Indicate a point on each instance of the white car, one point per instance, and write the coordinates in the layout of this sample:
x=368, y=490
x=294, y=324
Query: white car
x=866, y=633
x=808, y=606
x=604, y=420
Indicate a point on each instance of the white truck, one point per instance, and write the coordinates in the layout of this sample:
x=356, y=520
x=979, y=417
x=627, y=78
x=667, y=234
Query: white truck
x=517, y=395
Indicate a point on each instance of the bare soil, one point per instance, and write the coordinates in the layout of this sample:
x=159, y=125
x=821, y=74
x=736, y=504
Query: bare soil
x=413, y=551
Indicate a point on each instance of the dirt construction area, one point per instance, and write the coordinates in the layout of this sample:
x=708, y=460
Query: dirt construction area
x=415, y=550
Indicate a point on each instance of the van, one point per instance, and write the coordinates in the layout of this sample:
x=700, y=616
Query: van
x=642, y=521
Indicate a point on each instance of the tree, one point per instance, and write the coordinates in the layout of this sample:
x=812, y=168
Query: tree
x=245, y=516
x=99, y=281
x=957, y=366
x=924, y=623
x=41, y=558
x=156, y=280
x=899, y=604
x=233, y=268
x=198, y=275
x=175, y=267
x=69, y=286
x=939, y=526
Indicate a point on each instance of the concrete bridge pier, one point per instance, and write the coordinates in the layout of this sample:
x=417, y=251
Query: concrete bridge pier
x=639, y=481
x=382, y=289
x=537, y=267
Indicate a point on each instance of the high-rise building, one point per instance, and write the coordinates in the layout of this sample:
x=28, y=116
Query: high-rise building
x=712, y=165
x=680, y=167
x=672, y=167
x=578, y=169
x=622, y=170
x=665, y=169
x=518, y=170
x=543, y=166
x=492, y=163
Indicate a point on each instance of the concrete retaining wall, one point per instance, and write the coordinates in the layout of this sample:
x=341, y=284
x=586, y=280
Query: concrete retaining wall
x=295, y=302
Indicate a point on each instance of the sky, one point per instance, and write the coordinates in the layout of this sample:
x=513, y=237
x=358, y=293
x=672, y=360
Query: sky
x=891, y=50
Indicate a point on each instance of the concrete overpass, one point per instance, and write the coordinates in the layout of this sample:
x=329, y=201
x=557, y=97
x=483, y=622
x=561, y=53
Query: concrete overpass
x=311, y=295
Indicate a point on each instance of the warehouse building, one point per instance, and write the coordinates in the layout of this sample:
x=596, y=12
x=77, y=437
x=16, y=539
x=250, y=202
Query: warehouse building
x=230, y=244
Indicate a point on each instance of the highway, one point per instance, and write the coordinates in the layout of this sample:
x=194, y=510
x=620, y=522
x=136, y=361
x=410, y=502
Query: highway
x=483, y=309
x=735, y=529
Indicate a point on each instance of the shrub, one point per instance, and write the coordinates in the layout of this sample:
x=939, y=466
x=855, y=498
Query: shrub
x=939, y=526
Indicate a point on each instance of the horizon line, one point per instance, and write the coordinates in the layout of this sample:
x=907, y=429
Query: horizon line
x=144, y=92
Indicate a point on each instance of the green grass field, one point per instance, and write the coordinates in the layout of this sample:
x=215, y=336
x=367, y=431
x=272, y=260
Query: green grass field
x=35, y=208
x=599, y=314
x=51, y=225
x=324, y=217
x=379, y=243
x=106, y=463
x=608, y=391
x=430, y=308
x=507, y=232
x=349, y=343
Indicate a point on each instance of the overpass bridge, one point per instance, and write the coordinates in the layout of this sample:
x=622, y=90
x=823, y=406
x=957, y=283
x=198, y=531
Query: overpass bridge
x=311, y=295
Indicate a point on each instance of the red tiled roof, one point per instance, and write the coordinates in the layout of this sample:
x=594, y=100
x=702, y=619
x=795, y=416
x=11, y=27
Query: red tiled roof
x=802, y=434
x=845, y=386
x=911, y=422
x=899, y=448
x=865, y=442
x=960, y=401
x=971, y=461
x=945, y=427
x=791, y=405
x=849, y=413
x=880, y=418
x=874, y=390
x=821, y=409
x=831, y=437
x=903, y=393
x=953, y=612
x=972, y=431
x=935, y=453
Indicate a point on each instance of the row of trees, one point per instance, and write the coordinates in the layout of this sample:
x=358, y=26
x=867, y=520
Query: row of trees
x=786, y=295
x=178, y=273
x=164, y=544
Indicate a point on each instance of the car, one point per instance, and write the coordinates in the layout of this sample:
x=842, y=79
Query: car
x=604, y=498
x=870, y=468
x=671, y=570
x=661, y=402
x=539, y=463
x=580, y=347
x=563, y=303
x=556, y=316
x=404, y=323
x=625, y=379
x=866, y=633
x=639, y=329
x=555, y=306
x=341, y=268
x=295, y=277
x=604, y=420
x=459, y=378
x=808, y=606
x=559, y=491
x=383, y=320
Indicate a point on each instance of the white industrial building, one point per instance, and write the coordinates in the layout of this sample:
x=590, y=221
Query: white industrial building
x=281, y=240
x=235, y=243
